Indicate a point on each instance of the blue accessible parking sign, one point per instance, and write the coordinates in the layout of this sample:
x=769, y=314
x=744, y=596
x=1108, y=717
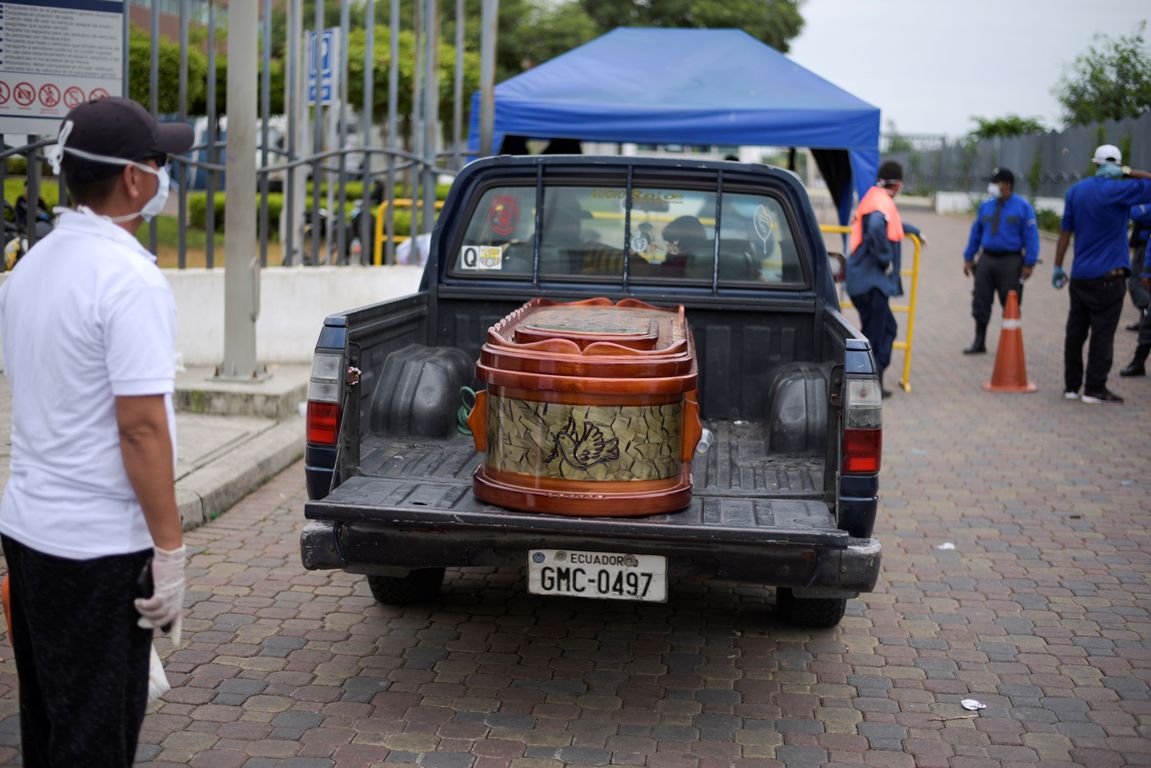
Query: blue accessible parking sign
x=323, y=65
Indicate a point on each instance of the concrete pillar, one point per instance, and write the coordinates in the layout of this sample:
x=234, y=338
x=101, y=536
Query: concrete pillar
x=242, y=265
x=489, y=25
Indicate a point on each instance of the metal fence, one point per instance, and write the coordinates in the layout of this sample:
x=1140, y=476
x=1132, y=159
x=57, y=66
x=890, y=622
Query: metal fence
x=1045, y=165
x=323, y=224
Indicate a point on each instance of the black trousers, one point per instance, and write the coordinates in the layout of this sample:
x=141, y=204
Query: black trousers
x=878, y=324
x=81, y=659
x=1145, y=328
x=1096, y=306
x=995, y=275
x=1140, y=296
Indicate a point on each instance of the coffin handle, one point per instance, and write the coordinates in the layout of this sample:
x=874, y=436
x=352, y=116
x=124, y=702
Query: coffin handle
x=692, y=426
x=478, y=421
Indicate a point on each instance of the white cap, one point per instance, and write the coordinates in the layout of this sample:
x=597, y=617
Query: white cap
x=1107, y=153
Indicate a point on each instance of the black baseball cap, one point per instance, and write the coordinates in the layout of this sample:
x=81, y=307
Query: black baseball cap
x=1003, y=174
x=118, y=127
x=891, y=171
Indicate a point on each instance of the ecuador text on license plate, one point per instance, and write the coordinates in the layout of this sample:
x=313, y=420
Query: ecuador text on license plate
x=608, y=575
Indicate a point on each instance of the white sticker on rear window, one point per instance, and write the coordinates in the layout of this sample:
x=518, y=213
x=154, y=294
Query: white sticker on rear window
x=482, y=257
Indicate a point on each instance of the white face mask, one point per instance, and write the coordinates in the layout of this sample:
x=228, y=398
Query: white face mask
x=155, y=204
x=993, y=189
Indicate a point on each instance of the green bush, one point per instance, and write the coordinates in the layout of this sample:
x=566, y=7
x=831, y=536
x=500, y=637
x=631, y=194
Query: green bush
x=441, y=191
x=198, y=211
x=354, y=190
x=1048, y=220
x=16, y=165
x=403, y=223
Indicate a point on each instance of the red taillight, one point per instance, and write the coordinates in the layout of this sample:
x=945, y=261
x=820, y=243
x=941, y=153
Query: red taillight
x=861, y=450
x=323, y=422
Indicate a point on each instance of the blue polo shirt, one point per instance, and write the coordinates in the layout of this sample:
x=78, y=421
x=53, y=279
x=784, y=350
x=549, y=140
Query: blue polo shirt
x=1096, y=211
x=1005, y=224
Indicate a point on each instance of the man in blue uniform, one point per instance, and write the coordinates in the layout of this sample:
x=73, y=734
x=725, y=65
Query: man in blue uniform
x=1096, y=212
x=1138, y=364
x=1140, y=237
x=1006, y=234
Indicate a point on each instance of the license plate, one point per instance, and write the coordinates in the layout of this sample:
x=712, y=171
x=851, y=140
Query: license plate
x=603, y=575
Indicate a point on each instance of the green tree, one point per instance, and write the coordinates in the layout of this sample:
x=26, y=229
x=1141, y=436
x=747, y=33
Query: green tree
x=548, y=32
x=530, y=32
x=1005, y=127
x=381, y=61
x=356, y=13
x=775, y=22
x=1112, y=80
x=200, y=105
x=1035, y=174
x=140, y=68
x=896, y=142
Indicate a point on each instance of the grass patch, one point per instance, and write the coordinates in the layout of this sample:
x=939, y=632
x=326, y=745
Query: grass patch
x=49, y=190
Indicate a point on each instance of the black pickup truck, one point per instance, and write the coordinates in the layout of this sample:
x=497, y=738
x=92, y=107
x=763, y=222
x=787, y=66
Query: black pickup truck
x=785, y=481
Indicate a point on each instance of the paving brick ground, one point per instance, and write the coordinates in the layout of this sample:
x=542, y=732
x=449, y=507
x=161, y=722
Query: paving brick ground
x=1040, y=612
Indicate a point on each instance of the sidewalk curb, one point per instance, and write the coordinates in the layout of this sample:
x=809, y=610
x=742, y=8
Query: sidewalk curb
x=206, y=493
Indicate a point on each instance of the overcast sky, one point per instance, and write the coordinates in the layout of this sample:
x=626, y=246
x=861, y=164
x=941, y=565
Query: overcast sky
x=932, y=64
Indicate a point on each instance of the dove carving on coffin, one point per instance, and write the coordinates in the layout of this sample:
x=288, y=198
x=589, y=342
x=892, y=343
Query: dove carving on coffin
x=583, y=451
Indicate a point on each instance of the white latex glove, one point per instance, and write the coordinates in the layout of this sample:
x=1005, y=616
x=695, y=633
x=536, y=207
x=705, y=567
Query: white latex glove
x=158, y=683
x=166, y=605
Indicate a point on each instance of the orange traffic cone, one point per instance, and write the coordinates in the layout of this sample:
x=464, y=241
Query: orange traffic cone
x=1010, y=373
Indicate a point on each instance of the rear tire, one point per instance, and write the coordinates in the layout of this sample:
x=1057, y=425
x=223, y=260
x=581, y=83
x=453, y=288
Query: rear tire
x=814, y=613
x=419, y=586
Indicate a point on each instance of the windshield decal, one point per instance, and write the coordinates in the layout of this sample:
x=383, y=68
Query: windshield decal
x=504, y=215
x=482, y=258
x=641, y=241
x=764, y=222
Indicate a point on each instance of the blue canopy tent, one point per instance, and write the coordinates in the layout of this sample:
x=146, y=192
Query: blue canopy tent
x=692, y=86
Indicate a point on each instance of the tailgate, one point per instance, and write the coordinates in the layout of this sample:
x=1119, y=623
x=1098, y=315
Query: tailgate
x=414, y=504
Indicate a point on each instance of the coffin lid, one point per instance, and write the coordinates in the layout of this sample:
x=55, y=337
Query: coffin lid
x=595, y=337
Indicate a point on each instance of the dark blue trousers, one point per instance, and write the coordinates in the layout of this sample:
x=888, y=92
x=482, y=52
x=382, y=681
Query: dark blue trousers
x=877, y=323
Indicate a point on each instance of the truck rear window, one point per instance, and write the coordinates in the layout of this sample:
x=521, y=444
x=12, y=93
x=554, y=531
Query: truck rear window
x=585, y=234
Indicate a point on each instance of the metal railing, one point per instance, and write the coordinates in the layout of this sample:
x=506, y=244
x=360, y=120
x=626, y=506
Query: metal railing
x=905, y=345
x=325, y=147
x=381, y=238
x=1044, y=164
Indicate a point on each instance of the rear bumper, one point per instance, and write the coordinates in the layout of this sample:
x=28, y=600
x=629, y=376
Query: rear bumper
x=392, y=551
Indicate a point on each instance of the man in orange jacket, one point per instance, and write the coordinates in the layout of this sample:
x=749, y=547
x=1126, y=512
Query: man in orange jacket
x=873, y=267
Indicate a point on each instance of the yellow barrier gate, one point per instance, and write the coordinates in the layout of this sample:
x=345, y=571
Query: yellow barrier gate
x=906, y=309
x=378, y=245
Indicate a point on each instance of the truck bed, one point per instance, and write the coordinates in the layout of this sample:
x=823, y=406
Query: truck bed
x=741, y=494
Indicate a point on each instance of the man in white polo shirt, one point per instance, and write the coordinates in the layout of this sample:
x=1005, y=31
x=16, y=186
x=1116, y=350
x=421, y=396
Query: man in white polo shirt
x=89, y=328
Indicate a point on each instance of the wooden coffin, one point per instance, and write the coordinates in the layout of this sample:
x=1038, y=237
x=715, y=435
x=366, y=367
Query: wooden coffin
x=590, y=409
